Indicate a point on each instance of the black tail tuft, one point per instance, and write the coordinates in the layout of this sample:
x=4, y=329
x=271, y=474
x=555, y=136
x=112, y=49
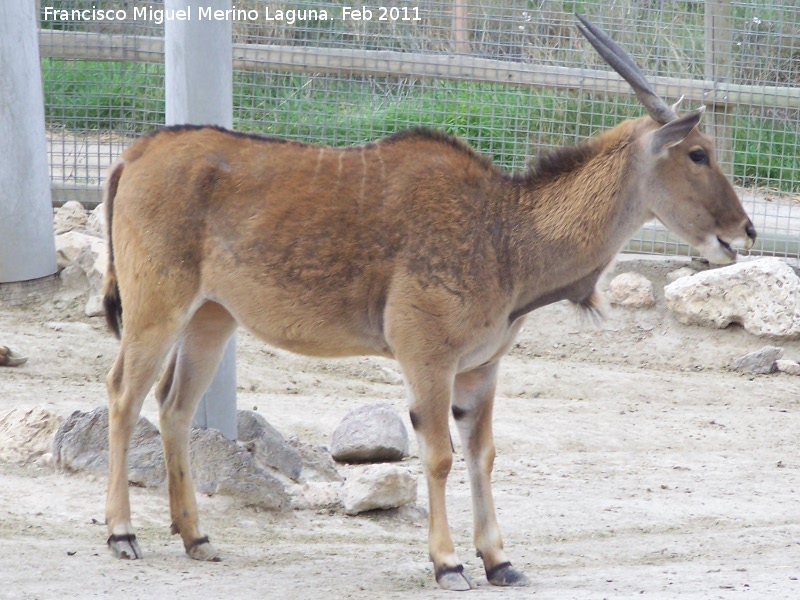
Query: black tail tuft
x=111, y=298
x=113, y=307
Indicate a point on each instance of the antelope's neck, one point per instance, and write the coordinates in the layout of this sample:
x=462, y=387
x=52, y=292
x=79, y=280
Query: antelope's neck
x=571, y=225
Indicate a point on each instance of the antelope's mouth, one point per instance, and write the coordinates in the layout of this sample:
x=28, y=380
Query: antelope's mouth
x=727, y=247
x=745, y=242
x=731, y=249
x=717, y=251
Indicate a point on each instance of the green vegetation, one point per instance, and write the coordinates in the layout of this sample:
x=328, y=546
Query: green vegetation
x=125, y=98
x=767, y=152
x=510, y=124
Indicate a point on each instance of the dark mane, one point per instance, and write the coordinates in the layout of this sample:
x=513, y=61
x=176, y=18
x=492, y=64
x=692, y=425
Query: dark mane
x=558, y=162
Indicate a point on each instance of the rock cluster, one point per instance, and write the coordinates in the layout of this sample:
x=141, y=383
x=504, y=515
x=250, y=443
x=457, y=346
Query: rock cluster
x=374, y=434
x=219, y=466
x=82, y=254
x=261, y=469
x=765, y=361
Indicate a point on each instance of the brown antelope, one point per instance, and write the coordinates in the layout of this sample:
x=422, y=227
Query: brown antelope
x=413, y=247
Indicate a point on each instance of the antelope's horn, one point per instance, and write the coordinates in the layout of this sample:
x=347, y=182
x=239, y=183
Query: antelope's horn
x=623, y=64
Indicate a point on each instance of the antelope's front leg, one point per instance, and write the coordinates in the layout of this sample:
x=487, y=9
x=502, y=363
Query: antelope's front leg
x=472, y=410
x=430, y=402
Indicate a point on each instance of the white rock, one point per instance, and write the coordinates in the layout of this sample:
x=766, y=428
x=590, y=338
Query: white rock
x=73, y=245
x=391, y=376
x=26, y=434
x=96, y=225
x=74, y=283
x=378, y=487
x=87, y=253
x=763, y=296
x=69, y=217
x=632, y=290
x=94, y=262
x=790, y=367
x=69, y=245
x=94, y=306
x=372, y=433
x=678, y=273
x=316, y=495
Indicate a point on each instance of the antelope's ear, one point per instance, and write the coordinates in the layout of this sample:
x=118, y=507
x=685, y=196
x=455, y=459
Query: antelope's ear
x=676, y=131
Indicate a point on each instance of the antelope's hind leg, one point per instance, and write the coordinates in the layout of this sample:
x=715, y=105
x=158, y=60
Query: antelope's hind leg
x=472, y=410
x=134, y=371
x=192, y=366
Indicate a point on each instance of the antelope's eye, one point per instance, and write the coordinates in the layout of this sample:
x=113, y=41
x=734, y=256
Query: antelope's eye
x=699, y=156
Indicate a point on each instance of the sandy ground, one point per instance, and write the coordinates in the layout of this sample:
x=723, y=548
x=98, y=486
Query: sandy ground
x=632, y=462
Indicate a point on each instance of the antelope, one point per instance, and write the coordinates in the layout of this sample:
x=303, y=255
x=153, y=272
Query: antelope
x=413, y=247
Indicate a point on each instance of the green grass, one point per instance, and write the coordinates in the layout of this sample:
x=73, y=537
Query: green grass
x=126, y=98
x=510, y=124
x=767, y=152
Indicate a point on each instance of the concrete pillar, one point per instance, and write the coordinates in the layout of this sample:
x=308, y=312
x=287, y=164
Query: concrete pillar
x=199, y=91
x=27, y=245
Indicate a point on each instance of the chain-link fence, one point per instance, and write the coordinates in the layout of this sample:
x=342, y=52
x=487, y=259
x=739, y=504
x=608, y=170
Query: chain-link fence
x=514, y=78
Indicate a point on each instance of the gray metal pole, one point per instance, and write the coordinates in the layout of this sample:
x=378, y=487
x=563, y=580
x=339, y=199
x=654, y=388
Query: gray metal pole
x=27, y=244
x=199, y=90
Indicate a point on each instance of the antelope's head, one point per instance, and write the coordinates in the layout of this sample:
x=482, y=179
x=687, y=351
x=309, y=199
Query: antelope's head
x=678, y=176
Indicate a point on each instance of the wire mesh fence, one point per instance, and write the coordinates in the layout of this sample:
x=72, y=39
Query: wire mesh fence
x=513, y=78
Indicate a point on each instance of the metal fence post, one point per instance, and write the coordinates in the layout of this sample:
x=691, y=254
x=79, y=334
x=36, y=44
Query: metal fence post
x=718, y=69
x=27, y=244
x=460, y=27
x=199, y=90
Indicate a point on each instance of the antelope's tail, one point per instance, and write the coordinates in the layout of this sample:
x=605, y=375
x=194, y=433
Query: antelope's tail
x=111, y=298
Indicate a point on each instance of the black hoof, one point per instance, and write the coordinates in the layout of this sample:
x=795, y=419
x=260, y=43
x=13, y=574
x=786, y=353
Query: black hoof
x=201, y=549
x=125, y=546
x=454, y=578
x=9, y=358
x=506, y=575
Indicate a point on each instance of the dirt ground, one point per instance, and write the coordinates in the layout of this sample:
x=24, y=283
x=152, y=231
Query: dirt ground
x=632, y=462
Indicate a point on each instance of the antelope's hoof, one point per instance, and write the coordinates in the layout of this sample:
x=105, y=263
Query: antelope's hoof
x=203, y=550
x=9, y=358
x=454, y=579
x=506, y=575
x=125, y=546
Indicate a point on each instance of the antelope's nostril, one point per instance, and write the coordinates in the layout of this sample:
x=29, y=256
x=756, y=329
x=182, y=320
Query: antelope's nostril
x=750, y=231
